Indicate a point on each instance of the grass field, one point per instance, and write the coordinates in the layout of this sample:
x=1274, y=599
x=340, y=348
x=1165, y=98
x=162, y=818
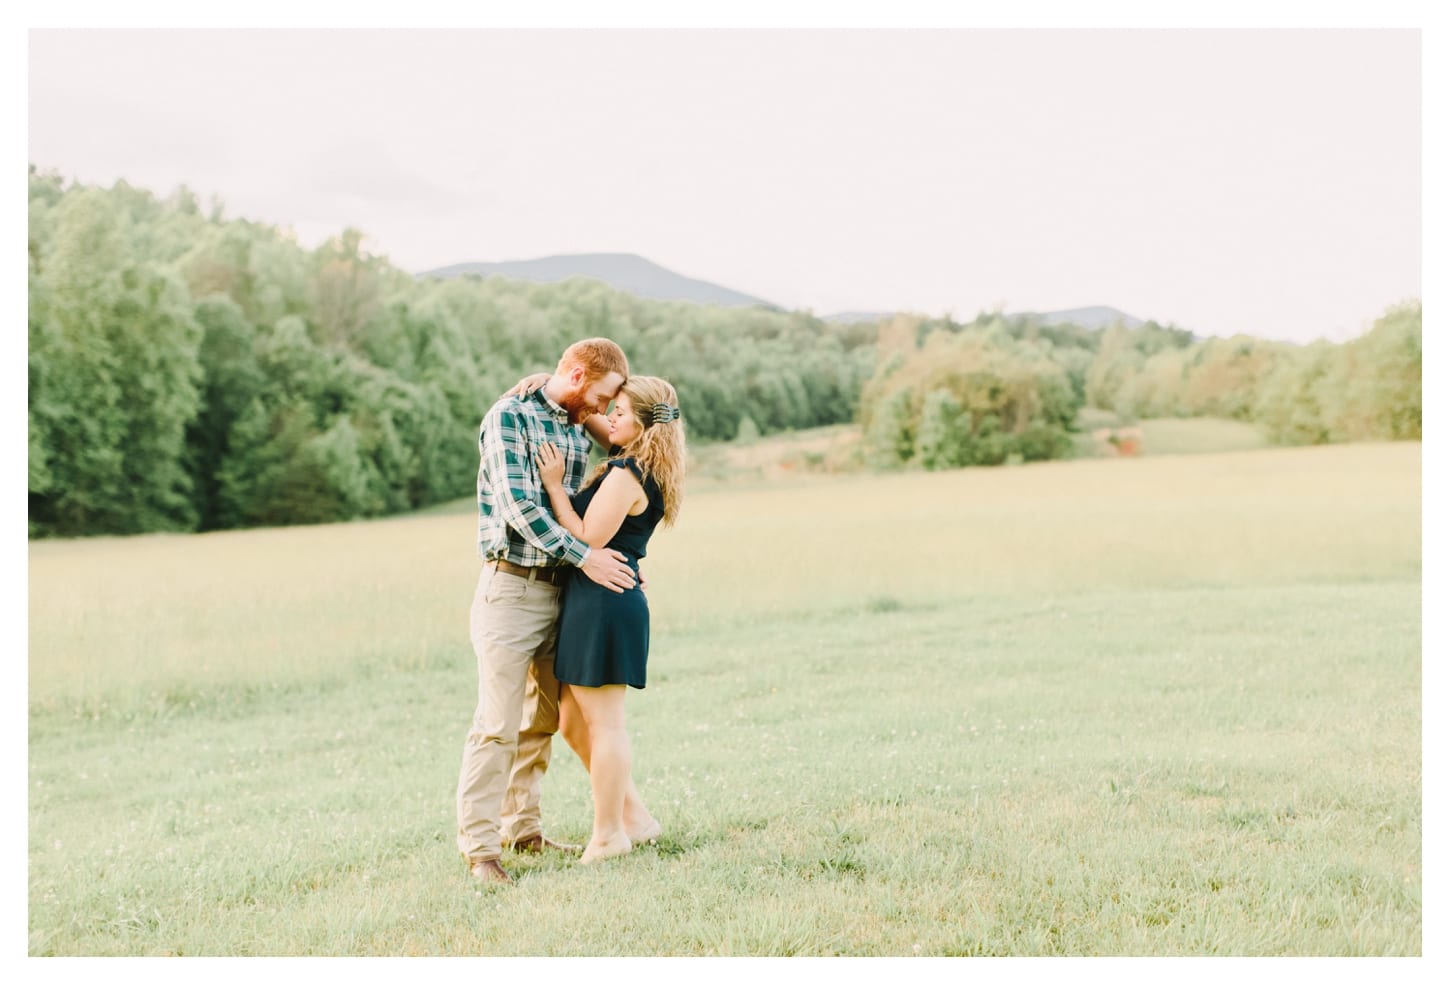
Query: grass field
x=837, y=449
x=1159, y=706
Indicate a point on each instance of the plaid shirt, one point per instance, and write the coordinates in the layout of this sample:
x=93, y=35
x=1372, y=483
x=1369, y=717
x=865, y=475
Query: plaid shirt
x=515, y=522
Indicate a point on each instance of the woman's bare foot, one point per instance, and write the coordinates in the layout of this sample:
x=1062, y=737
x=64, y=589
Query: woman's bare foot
x=597, y=851
x=645, y=832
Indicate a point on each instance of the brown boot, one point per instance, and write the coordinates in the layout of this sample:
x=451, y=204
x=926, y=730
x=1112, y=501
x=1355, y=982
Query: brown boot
x=487, y=870
x=537, y=843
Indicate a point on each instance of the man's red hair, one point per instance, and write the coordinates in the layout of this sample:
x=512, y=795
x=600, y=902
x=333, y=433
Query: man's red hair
x=599, y=357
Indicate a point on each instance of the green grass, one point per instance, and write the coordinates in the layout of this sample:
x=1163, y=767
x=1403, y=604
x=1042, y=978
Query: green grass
x=833, y=449
x=836, y=450
x=1172, y=435
x=1155, y=706
x=1198, y=435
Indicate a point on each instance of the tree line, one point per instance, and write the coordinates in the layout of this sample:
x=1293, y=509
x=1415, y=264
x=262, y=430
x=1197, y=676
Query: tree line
x=190, y=371
x=997, y=389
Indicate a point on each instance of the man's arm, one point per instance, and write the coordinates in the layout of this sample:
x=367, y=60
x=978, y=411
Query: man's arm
x=506, y=451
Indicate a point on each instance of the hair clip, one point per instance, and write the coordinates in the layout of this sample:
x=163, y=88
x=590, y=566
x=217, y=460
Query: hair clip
x=663, y=414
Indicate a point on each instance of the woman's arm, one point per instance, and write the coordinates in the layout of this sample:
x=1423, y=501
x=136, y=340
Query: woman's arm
x=598, y=427
x=596, y=424
x=619, y=495
x=528, y=385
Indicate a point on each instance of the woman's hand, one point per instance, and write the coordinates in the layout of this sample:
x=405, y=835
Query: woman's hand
x=551, y=465
x=527, y=385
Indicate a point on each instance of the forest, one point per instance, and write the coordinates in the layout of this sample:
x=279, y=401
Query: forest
x=190, y=371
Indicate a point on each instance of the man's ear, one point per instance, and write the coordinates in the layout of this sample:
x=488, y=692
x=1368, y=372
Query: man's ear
x=576, y=376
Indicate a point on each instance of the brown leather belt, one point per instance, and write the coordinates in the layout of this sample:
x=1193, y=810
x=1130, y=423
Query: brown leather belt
x=549, y=576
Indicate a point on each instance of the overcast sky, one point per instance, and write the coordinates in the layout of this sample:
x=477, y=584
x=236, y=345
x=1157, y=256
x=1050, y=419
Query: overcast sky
x=1227, y=181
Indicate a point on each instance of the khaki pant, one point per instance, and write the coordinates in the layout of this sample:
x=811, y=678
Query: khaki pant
x=513, y=626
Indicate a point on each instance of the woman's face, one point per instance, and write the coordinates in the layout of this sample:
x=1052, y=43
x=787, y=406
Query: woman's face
x=624, y=427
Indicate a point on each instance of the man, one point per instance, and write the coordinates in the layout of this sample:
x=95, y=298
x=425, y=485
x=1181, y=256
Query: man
x=516, y=605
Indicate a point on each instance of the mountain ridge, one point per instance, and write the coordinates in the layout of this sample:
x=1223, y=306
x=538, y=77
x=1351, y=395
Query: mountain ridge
x=628, y=272
x=642, y=277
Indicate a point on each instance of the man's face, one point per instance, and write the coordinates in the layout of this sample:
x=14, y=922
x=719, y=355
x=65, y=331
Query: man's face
x=591, y=396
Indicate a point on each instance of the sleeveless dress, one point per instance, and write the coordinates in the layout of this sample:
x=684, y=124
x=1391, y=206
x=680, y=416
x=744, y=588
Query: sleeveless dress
x=604, y=635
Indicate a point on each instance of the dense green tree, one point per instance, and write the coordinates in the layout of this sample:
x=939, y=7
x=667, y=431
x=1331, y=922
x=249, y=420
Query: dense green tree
x=1117, y=360
x=114, y=377
x=1367, y=389
x=1289, y=404
x=1157, y=389
x=275, y=474
x=890, y=430
x=1373, y=390
x=969, y=396
x=188, y=370
x=1221, y=376
x=943, y=439
x=231, y=378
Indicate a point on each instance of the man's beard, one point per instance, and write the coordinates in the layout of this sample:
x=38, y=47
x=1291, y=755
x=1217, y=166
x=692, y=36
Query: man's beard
x=577, y=407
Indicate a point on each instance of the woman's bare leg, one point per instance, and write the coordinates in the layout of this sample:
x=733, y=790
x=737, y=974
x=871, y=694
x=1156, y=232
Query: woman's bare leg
x=639, y=824
x=609, y=767
x=572, y=725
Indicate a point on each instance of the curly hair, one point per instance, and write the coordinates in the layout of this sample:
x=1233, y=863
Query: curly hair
x=660, y=446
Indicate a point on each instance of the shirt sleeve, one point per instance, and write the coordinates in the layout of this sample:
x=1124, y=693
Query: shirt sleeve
x=506, y=451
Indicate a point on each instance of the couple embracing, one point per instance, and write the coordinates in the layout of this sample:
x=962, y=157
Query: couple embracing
x=559, y=623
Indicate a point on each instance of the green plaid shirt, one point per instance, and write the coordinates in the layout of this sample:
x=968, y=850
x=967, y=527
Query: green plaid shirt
x=515, y=522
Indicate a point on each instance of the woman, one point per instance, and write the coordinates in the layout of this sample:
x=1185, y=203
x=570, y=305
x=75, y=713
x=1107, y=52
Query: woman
x=604, y=635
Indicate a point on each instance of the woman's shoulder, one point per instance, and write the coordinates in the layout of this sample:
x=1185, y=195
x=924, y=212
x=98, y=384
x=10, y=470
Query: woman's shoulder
x=629, y=464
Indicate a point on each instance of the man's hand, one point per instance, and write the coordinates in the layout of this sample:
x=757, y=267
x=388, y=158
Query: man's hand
x=606, y=567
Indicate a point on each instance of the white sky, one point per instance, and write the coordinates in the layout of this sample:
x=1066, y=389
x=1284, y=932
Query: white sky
x=1258, y=181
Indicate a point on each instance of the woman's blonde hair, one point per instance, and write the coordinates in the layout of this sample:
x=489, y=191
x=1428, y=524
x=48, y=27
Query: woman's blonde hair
x=660, y=446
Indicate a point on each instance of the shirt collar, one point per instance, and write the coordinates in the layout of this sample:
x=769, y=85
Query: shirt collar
x=551, y=406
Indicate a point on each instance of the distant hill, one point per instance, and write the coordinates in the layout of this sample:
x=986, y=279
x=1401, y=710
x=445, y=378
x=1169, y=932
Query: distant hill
x=1098, y=316
x=853, y=317
x=622, y=271
x=644, y=278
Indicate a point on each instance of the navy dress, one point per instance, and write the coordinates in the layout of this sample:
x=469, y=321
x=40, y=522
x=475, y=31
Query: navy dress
x=604, y=635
